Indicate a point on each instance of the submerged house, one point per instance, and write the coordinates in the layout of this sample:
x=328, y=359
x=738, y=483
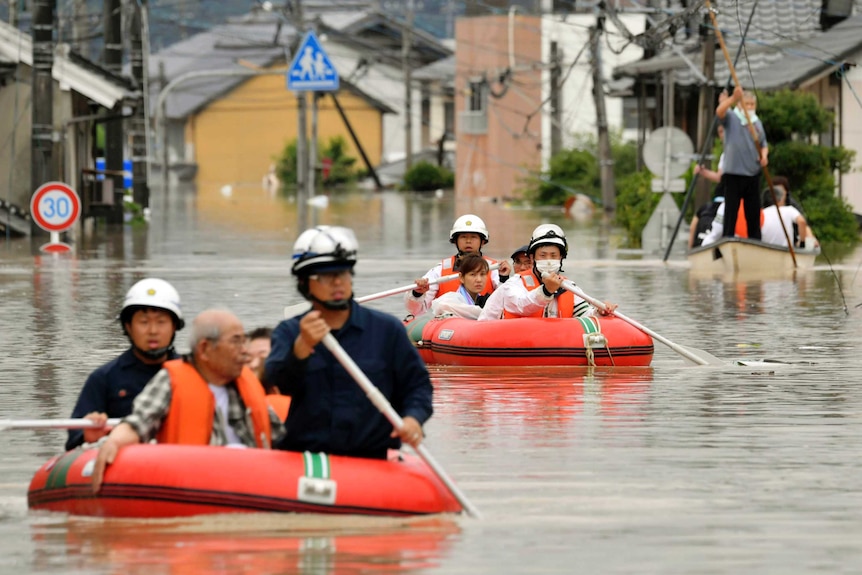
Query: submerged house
x=85, y=95
x=229, y=113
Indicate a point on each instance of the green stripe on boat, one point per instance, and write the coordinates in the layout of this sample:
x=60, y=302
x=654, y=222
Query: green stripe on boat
x=57, y=477
x=589, y=324
x=316, y=465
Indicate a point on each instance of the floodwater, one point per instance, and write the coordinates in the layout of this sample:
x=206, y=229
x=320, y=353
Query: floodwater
x=667, y=469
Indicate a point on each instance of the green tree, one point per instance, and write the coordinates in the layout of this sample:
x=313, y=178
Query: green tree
x=576, y=170
x=792, y=120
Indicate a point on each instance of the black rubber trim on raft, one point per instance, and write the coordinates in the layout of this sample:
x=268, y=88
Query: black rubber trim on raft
x=461, y=351
x=243, y=501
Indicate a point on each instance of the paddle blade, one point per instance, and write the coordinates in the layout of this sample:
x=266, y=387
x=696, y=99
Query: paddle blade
x=705, y=357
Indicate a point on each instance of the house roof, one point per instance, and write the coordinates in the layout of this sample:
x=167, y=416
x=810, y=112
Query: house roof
x=785, y=47
x=440, y=71
x=258, y=40
x=69, y=69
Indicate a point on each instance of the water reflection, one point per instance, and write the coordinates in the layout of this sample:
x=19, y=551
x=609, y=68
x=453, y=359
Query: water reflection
x=532, y=404
x=256, y=544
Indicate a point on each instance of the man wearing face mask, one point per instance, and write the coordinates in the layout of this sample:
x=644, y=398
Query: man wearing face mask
x=545, y=297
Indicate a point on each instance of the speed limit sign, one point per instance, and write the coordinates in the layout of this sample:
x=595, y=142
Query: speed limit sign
x=55, y=207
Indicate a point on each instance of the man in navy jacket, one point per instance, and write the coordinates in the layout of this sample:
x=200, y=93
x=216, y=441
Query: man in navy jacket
x=329, y=412
x=151, y=316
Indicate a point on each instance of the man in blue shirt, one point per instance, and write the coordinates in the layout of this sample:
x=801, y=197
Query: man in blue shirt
x=151, y=316
x=329, y=412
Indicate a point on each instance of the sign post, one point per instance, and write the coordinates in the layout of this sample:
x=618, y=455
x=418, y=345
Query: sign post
x=55, y=207
x=310, y=71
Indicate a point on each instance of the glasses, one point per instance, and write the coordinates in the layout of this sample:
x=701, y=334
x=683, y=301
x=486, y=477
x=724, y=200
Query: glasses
x=235, y=341
x=330, y=277
x=523, y=262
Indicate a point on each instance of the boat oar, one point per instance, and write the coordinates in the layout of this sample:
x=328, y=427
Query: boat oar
x=697, y=356
x=299, y=308
x=751, y=130
x=53, y=423
x=381, y=403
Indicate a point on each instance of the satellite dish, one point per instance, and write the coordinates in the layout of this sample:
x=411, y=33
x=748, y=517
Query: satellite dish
x=667, y=152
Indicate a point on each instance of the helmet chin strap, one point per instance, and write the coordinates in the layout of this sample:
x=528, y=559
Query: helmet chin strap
x=154, y=354
x=333, y=304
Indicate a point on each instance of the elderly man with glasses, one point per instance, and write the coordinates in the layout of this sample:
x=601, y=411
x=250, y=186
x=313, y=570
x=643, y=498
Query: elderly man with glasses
x=210, y=397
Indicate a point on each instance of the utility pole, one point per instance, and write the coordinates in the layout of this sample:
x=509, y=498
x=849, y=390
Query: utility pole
x=138, y=124
x=301, y=121
x=706, y=104
x=113, y=59
x=79, y=14
x=42, y=140
x=312, y=146
x=555, y=101
x=13, y=13
x=606, y=163
x=406, y=45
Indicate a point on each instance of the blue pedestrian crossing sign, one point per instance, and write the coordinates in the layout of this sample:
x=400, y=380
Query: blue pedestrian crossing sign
x=311, y=69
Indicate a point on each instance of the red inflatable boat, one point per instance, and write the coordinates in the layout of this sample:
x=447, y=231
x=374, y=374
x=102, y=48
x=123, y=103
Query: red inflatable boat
x=184, y=480
x=530, y=341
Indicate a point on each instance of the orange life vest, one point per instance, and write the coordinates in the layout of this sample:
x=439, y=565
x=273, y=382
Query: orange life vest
x=741, y=229
x=280, y=404
x=190, y=416
x=565, y=300
x=454, y=285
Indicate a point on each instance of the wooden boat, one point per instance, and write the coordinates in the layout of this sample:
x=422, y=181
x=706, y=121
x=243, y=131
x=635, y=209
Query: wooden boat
x=749, y=257
x=529, y=341
x=183, y=480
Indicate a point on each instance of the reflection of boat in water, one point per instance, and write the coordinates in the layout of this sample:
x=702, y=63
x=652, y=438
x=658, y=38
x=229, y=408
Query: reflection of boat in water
x=182, y=480
x=748, y=257
x=606, y=341
x=253, y=543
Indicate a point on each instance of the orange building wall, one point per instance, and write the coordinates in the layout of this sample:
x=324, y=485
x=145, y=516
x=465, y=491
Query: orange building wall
x=237, y=137
x=492, y=165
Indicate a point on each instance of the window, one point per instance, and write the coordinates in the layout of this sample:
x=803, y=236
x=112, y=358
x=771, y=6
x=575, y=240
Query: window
x=478, y=96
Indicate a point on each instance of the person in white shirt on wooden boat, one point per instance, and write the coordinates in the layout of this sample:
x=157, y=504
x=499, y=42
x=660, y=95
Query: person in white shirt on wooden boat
x=470, y=235
x=774, y=216
x=529, y=296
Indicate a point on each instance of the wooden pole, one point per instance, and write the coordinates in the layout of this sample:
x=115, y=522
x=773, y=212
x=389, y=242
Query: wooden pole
x=751, y=129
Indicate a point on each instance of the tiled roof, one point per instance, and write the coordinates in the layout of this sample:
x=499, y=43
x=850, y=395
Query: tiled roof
x=258, y=39
x=783, y=48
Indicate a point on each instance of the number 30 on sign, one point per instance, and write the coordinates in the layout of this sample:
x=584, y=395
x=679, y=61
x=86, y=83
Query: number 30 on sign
x=55, y=207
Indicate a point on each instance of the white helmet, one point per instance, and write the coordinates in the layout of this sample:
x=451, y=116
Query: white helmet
x=549, y=234
x=324, y=248
x=153, y=293
x=468, y=223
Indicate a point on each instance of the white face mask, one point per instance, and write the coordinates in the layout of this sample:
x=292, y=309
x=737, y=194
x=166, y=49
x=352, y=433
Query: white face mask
x=548, y=266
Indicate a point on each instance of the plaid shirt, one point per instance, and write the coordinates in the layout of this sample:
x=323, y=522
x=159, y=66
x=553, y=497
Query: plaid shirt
x=153, y=403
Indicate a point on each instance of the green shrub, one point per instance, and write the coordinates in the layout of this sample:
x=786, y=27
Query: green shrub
x=635, y=204
x=342, y=169
x=425, y=176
